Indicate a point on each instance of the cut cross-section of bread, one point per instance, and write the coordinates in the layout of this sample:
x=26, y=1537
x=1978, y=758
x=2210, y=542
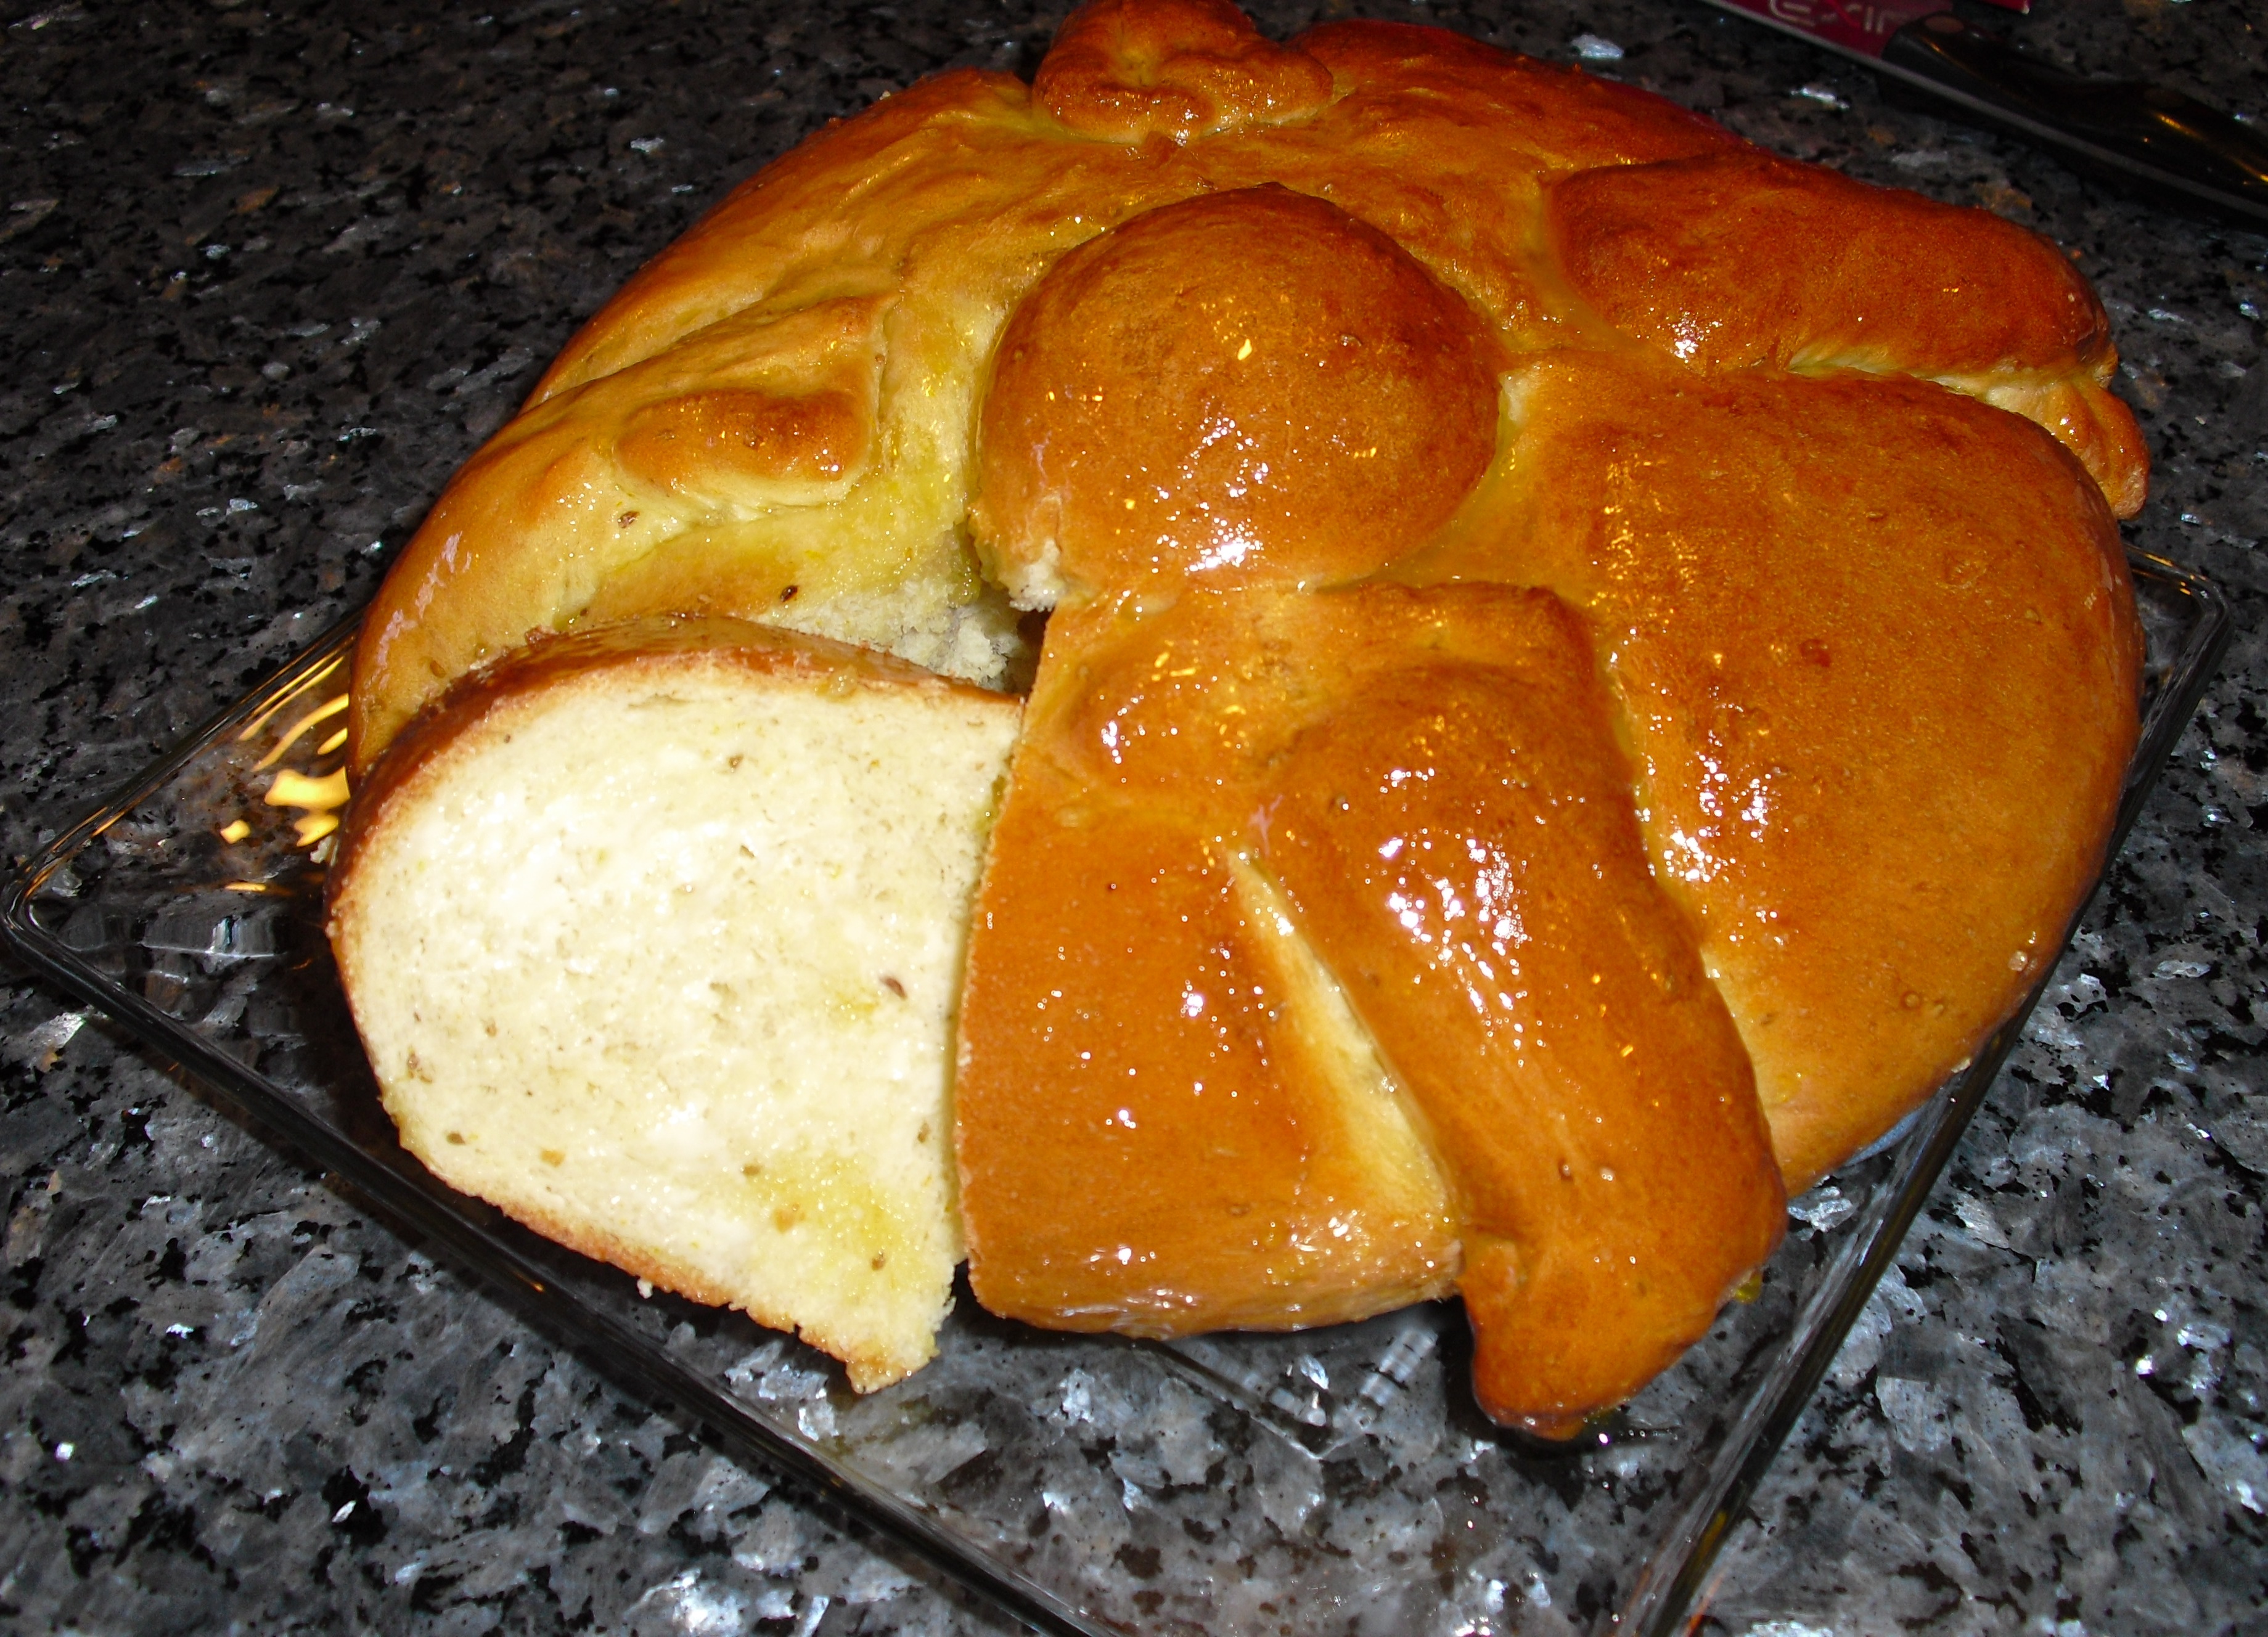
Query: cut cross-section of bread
x=654, y=938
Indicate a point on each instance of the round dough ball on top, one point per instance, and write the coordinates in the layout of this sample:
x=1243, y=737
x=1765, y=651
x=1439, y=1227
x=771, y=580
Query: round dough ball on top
x=1248, y=387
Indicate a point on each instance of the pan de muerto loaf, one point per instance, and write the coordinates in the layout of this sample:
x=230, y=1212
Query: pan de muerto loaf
x=1589, y=664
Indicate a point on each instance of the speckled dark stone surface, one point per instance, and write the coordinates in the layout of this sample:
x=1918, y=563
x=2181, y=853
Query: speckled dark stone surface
x=270, y=274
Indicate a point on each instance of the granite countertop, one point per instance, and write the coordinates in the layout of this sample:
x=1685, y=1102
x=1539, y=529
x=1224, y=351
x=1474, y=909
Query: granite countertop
x=276, y=269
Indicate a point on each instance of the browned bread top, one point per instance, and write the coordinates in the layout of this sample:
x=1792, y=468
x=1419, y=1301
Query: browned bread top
x=1243, y=388
x=1874, y=650
x=774, y=418
x=1415, y=796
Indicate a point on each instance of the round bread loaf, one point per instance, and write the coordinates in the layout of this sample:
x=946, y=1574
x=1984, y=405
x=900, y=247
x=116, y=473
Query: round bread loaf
x=1589, y=664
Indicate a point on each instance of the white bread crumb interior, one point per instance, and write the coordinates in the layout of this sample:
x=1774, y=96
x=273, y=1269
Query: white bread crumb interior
x=661, y=956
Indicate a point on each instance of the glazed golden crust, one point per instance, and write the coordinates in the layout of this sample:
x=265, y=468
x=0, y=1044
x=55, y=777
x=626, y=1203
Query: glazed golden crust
x=1244, y=388
x=1742, y=260
x=597, y=483
x=1455, y=835
x=920, y=225
x=1427, y=783
x=1152, y=1138
x=1160, y=1126
x=1122, y=71
x=1880, y=680
x=1190, y=432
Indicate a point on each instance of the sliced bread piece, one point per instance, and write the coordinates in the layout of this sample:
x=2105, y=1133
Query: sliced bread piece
x=654, y=936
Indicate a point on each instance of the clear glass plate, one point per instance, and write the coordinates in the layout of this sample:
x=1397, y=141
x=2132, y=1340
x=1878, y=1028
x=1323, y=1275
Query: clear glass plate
x=1336, y=1481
